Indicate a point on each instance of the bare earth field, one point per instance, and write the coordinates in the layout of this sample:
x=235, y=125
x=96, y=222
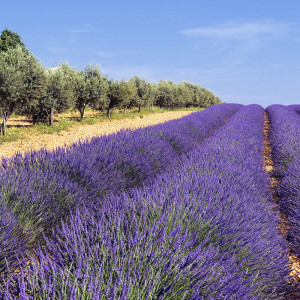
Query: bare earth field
x=67, y=137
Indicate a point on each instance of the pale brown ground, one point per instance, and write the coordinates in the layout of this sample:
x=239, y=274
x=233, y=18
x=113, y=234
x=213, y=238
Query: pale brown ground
x=52, y=141
x=283, y=226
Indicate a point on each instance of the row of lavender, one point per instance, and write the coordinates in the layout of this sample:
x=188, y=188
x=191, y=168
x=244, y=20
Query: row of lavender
x=40, y=189
x=285, y=142
x=296, y=107
x=204, y=229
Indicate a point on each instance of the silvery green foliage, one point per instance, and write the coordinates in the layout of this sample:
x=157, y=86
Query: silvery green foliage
x=203, y=229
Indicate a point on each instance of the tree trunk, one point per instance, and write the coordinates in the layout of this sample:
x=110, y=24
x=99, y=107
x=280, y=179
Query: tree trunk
x=125, y=109
x=5, y=116
x=151, y=106
x=4, y=119
x=81, y=114
x=3, y=125
x=108, y=114
x=34, y=119
x=139, y=108
x=51, y=117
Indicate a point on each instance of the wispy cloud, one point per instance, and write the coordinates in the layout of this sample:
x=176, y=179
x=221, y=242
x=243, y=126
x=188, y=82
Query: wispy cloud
x=234, y=42
x=241, y=31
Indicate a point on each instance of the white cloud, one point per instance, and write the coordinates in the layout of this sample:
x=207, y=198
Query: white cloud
x=241, y=31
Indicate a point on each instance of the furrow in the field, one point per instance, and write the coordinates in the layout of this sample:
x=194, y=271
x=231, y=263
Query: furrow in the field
x=203, y=229
x=284, y=224
x=40, y=189
x=273, y=180
x=282, y=124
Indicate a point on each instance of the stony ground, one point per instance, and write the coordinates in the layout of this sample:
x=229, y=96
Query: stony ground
x=52, y=141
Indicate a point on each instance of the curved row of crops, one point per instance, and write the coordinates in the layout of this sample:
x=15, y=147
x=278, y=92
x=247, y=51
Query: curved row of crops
x=203, y=229
x=296, y=107
x=41, y=188
x=285, y=142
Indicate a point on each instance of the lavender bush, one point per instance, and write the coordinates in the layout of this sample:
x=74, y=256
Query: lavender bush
x=285, y=139
x=41, y=188
x=12, y=238
x=296, y=107
x=203, y=229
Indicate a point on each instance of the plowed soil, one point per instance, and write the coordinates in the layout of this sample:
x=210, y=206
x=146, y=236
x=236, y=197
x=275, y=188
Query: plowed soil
x=67, y=137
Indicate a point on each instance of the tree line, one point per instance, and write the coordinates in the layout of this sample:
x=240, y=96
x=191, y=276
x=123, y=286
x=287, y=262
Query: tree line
x=28, y=88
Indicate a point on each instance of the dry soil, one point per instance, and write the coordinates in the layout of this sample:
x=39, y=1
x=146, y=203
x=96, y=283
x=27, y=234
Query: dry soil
x=67, y=137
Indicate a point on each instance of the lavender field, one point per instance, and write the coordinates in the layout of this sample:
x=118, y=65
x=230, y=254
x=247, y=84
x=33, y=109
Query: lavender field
x=180, y=210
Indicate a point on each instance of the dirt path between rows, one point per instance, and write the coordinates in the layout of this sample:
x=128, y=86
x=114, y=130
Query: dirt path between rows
x=283, y=226
x=67, y=137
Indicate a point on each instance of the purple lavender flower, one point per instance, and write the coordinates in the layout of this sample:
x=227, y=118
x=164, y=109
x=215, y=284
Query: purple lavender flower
x=202, y=229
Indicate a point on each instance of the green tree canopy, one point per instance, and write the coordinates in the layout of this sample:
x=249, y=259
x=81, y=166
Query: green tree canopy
x=28, y=87
x=142, y=91
x=58, y=95
x=112, y=96
x=153, y=94
x=22, y=80
x=9, y=39
x=126, y=92
x=90, y=89
x=167, y=94
x=185, y=94
x=66, y=99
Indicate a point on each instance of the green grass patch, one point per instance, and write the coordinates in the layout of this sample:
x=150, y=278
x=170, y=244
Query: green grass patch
x=12, y=134
x=61, y=124
x=133, y=112
x=89, y=121
x=14, y=115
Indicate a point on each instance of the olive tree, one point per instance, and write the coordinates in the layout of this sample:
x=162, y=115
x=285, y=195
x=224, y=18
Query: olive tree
x=91, y=89
x=153, y=94
x=22, y=80
x=58, y=95
x=167, y=94
x=185, y=94
x=126, y=91
x=44, y=110
x=67, y=94
x=207, y=98
x=142, y=92
x=103, y=101
x=9, y=39
x=112, y=95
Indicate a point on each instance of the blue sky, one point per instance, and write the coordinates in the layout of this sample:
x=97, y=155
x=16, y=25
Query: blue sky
x=244, y=51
